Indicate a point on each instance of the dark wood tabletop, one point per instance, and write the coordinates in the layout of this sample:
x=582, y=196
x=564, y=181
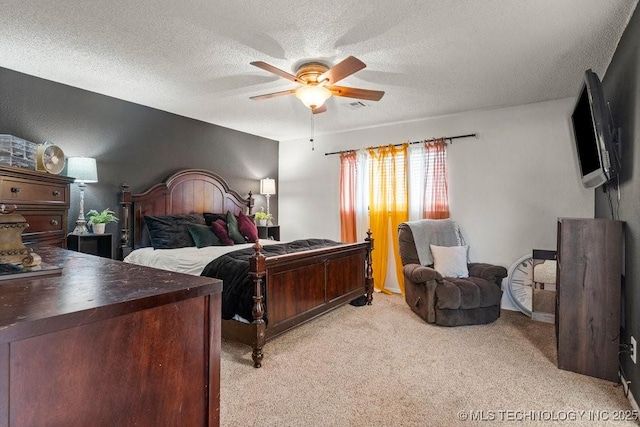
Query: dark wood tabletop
x=109, y=343
x=88, y=289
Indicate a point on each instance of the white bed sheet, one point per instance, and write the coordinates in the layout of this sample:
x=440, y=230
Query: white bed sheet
x=189, y=260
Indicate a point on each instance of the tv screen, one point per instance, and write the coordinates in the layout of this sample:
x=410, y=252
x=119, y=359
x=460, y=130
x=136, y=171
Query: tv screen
x=593, y=134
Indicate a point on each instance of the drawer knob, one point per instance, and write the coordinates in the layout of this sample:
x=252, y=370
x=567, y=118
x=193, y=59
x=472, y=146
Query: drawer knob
x=15, y=189
x=54, y=222
x=56, y=193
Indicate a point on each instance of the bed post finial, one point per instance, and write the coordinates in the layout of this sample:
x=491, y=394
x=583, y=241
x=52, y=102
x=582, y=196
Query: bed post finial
x=125, y=227
x=368, y=281
x=256, y=272
x=249, y=203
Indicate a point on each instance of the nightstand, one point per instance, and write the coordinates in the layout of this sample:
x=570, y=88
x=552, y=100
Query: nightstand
x=94, y=244
x=271, y=232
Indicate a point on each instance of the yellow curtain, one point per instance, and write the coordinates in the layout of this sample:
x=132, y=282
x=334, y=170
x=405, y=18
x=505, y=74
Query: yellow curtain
x=348, y=177
x=388, y=207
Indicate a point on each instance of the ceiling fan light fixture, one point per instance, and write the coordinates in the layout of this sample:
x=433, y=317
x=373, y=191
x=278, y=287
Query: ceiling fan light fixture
x=313, y=96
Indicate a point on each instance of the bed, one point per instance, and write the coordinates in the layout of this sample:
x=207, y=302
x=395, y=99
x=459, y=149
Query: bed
x=287, y=289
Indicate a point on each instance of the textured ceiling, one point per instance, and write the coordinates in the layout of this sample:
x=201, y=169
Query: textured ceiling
x=432, y=57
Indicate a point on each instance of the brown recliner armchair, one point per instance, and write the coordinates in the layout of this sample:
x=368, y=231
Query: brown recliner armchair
x=449, y=301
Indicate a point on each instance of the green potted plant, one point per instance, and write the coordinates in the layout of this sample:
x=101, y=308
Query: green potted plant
x=262, y=217
x=98, y=220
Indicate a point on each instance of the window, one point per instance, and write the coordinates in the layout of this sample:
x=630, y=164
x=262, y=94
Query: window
x=393, y=184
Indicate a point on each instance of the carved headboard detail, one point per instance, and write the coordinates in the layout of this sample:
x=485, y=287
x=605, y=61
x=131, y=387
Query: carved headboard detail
x=185, y=192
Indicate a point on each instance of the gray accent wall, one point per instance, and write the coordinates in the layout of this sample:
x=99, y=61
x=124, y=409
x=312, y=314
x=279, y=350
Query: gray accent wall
x=132, y=143
x=622, y=89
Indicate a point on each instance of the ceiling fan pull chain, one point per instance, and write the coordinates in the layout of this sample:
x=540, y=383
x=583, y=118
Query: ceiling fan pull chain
x=312, y=129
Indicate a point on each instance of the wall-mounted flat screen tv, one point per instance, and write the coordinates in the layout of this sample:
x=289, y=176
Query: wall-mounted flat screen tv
x=593, y=133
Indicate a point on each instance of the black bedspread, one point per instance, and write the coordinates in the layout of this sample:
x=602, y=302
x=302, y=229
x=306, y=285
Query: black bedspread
x=233, y=270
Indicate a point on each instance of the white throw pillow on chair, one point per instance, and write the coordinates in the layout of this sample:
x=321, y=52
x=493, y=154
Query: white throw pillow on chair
x=450, y=261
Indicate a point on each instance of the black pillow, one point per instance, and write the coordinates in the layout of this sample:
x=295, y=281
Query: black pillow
x=170, y=231
x=210, y=218
x=232, y=229
x=203, y=235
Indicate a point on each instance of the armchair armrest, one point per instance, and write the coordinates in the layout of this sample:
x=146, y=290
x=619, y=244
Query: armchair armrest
x=492, y=273
x=420, y=274
x=420, y=289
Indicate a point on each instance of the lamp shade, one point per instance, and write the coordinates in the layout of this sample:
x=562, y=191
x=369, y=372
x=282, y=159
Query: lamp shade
x=267, y=186
x=313, y=96
x=83, y=169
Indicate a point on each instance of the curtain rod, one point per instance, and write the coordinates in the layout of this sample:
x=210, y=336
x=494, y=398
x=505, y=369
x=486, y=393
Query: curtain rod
x=450, y=138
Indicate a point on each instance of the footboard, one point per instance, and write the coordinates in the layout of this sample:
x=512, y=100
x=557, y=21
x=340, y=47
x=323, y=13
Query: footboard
x=301, y=286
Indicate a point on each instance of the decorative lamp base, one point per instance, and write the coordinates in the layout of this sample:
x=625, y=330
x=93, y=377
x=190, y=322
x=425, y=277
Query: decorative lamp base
x=81, y=223
x=81, y=227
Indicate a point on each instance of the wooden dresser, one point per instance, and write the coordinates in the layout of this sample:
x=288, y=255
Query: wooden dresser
x=588, y=282
x=107, y=343
x=42, y=198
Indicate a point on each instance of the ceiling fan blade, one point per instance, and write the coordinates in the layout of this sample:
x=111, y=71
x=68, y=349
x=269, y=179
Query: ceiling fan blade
x=273, y=95
x=320, y=109
x=341, y=70
x=354, y=92
x=276, y=71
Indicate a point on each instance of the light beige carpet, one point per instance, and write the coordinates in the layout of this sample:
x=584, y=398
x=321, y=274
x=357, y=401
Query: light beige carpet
x=382, y=365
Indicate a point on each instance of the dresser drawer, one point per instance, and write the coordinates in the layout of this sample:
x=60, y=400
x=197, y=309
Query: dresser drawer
x=47, y=227
x=43, y=222
x=15, y=190
x=48, y=240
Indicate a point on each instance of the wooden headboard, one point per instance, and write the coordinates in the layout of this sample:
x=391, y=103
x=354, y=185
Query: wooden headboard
x=185, y=192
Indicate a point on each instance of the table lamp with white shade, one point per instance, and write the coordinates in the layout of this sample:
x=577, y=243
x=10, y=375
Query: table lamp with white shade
x=84, y=170
x=267, y=188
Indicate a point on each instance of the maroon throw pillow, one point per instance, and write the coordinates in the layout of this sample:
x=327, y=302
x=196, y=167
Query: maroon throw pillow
x=220, y=230
x=248, y=228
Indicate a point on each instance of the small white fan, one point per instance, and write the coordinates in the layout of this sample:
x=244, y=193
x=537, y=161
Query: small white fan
x=50, y=158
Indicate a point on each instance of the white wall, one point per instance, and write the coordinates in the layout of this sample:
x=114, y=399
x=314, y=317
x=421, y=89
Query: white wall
x=506, y=188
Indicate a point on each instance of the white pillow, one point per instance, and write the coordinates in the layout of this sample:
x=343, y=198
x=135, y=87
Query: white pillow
x=450, y=261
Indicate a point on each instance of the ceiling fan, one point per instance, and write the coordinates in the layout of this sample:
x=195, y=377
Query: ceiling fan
x=319, y=83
